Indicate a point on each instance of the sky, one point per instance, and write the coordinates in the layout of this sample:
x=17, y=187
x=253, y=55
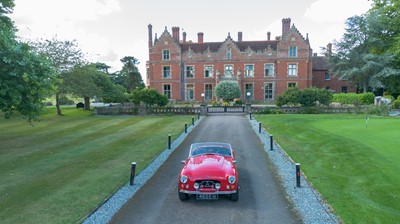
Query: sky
x=108, y=30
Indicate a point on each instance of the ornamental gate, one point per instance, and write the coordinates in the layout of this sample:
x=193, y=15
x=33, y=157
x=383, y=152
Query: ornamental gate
x=225, y=109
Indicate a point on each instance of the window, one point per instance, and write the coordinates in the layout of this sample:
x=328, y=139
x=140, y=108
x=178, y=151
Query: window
x=189, y=71
x=292, y=52
x=208, y=92
x=167, y=90
x=344, y=89
x=228, y=70
x=268, y=91
x=327, y=76
x=208, y=71
x=166, y=55
x=248, y=88
x=189, y=91
x=166, y=72
x=228, y=54
x=292, y=70
x=291, y=85
x=249, y=70
x=269, y=70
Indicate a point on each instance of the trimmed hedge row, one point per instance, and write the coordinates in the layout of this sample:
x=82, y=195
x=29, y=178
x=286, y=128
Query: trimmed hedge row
x=354, y=98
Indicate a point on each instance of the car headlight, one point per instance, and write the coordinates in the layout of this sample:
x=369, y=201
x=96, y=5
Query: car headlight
x=231, y=179
x=184, y=179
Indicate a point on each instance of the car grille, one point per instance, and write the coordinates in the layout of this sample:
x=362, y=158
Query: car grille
x=207, y=183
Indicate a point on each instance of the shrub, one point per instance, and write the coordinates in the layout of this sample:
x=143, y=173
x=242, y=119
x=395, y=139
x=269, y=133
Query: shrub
x=308, y=97
x=367, y=98
x=63, y=100
x=226, y=104
x=353, y=98
x=396, y=103
x=149, y=97
x=238, y=103
x=291, y=97
x=227, y=90
x=377, y=110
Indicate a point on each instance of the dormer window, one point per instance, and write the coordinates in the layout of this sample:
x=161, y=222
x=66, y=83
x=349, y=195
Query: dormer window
x=228, y=54
x=292, y=52
x=166, y=55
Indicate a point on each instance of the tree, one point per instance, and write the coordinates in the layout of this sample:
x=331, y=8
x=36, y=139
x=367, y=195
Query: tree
x=227, y=90
x=25, y=77
x=88, y=81
x=129, y=77
x=64, y=56
x=290, y=97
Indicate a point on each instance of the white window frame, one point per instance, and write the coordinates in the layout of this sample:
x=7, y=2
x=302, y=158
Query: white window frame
x=188, y=72
x=208, y=94
x=164, y=74
x=170, y=90
x=292, y=52
x=249, y=72
x=327, y=76
x=272, y=71
x=292, y=69
x=165, y=53
x=251, y=97
x=229, y=54
x=187, y=91
x=272, y=90
x=210, y=69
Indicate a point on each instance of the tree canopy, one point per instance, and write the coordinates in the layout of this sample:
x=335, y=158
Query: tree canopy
x=368, y=53
x=227, y=90
x=25, y=76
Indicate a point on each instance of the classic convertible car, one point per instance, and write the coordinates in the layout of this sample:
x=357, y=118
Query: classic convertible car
x=208, y=172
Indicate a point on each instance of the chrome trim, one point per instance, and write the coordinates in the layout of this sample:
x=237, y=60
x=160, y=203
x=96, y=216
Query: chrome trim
x=198, y=192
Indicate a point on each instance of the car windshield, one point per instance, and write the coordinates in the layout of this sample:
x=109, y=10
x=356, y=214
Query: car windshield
x=211, y=150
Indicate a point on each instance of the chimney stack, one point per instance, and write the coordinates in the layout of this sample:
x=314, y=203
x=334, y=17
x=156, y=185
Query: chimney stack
x=150, y=35
x=269, y=35
x=329, y=49
x=285, y=26
x=175, y=33
x=184, y=37
x=240, y=35
x=200, y=38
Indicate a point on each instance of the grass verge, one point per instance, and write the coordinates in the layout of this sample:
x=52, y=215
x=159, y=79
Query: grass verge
x=59, y=169
x=354, y=165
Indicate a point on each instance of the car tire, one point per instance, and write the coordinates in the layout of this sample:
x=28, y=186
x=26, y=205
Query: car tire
x=183, y=196
x=235, y=196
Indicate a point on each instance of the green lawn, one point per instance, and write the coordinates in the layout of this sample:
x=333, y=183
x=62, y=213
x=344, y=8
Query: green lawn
x=61, y=168
x=355, y=167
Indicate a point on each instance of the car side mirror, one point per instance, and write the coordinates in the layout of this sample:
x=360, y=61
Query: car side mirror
x=234, y=161
x=183, y=161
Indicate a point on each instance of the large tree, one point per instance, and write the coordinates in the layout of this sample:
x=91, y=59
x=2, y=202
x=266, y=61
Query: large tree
x=227, y=90
x=129, y=77
x=88, y=81
x=64, y=56
x=25, y=77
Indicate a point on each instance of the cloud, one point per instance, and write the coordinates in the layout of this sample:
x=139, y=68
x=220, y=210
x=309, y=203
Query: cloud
x=323, y=11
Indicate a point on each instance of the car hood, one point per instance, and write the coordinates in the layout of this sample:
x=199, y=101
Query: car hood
x=209, y=167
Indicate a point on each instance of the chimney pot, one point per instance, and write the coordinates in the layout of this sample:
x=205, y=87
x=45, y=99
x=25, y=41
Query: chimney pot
x=200, y=37
x=184, y=37
x=240, y=36
x=269, y=35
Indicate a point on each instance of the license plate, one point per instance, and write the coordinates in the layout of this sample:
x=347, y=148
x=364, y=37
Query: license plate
x=207, y=196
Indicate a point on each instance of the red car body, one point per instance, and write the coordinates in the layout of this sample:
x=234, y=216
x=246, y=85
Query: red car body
x=209, y=171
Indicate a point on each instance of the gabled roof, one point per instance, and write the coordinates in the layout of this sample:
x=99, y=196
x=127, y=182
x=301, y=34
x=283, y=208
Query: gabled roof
x=242, y=45
x=319, y=63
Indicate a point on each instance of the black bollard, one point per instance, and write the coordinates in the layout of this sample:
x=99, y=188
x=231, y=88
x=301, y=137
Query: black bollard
x=198, y=116
x=271, y=143
x=185, y=127
x=250, y=116
x=298, y=174
x=259, y=127
x=192, y=120
x=133, y=168
x=169, y=141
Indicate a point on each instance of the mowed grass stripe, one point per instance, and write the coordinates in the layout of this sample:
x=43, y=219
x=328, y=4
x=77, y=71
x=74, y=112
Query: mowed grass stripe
x=352, y=165
x=81, y=166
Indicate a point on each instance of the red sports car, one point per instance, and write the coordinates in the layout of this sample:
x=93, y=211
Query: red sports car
x=209, y=171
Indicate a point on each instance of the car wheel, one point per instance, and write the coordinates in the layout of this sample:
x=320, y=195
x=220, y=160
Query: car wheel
x=183, y=196
x=235, y=196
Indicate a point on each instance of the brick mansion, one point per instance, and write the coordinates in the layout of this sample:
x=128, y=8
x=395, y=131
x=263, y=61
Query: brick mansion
x=187, y=71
